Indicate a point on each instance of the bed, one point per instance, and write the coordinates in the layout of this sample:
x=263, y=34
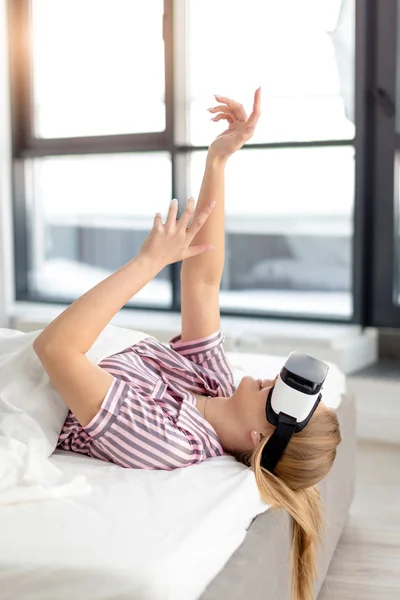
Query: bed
x=193, y=533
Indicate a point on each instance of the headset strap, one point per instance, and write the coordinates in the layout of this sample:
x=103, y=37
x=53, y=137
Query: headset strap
x=276, y=445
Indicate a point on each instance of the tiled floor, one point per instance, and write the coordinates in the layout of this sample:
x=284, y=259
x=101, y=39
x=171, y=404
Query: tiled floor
x=366, y=564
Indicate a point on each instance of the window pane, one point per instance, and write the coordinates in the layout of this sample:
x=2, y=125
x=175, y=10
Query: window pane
x=300, y=52
x=98, y=67
x=90, y=215
x=289, y=230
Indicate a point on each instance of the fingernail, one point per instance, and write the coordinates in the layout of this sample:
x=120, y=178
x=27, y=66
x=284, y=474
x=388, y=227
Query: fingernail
x=191, y=198
x=212, y=204
x=174, y=200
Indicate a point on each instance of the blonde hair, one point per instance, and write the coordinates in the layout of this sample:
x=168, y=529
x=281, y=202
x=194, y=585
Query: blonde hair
x=306, y=460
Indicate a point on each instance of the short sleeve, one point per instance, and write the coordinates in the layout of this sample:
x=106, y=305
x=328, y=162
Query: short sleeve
x=209, y=353
x=109, y=409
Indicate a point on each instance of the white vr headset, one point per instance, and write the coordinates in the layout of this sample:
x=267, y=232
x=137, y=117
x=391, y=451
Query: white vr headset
x=292, y=402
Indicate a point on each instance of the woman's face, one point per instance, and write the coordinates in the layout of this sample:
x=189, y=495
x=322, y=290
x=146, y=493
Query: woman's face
x=250, y=399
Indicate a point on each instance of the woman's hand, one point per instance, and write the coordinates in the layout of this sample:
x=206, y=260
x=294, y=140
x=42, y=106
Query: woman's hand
x=169, y=242
x=240, y=128
x=267, y=383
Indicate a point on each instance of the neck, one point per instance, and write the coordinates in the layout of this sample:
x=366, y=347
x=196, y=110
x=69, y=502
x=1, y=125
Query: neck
x=220, y=413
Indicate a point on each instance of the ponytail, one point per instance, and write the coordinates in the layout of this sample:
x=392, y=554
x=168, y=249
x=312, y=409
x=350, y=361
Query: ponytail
x=306, y=537
x=304, y=507
x=306, y=460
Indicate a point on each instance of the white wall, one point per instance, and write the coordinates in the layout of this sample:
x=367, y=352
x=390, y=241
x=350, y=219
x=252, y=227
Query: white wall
x=6, y=239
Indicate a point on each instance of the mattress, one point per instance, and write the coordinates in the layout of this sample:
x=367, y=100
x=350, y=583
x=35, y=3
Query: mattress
x=145, y=535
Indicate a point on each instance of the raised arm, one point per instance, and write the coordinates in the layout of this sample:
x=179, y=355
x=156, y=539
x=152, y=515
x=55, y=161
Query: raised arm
x=62, y=346
x=201, y=275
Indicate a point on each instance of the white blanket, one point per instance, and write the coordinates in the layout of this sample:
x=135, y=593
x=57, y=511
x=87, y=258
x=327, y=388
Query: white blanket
x=32, y=414
x=139, y=535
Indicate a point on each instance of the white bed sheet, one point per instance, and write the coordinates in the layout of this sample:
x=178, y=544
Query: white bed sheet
x=138, y=535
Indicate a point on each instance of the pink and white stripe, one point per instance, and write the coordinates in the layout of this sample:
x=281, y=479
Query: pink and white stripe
x=149, y=419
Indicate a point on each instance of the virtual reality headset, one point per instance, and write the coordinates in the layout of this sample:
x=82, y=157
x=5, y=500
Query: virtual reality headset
x=292, y=402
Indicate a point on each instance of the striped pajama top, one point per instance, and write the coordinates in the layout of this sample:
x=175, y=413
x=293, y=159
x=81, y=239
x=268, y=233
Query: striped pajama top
x=148, y=418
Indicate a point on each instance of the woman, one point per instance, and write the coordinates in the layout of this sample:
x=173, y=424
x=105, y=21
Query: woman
x=161, y=407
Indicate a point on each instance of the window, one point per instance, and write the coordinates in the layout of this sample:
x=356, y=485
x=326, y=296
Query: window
x=302, y=53
x=289, y=210
x=110, y=123
x=91, y=143
x=92, y=61
x=289, y=226
x=104, y=208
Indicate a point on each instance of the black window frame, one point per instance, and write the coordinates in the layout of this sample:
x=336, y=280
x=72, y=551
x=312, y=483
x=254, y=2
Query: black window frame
x=385, y=261
x=366, y=229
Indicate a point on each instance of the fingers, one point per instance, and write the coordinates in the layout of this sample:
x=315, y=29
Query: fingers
x=236, y=107
x=267, y=383
x=220, y=108
x=187, y=214
x=183, y=222
x=255, y=115
x=236, y=110
x=199, y=221
x=172, y=213
x=224, y=116
x=157, y=221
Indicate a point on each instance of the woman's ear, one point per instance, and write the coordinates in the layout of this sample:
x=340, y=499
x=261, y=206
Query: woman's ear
x=256, y=437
